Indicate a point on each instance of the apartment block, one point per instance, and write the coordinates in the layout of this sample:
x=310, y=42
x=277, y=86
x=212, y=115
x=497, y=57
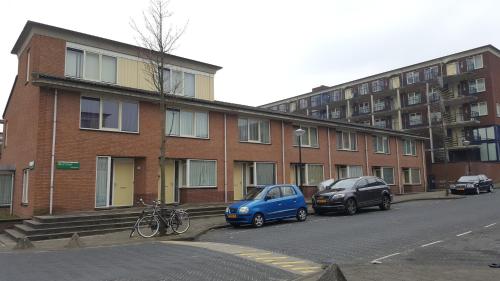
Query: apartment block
x=453, y=100
x=82, y=132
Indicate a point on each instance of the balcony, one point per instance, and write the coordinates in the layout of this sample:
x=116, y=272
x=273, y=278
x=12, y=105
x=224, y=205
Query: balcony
x=361, y=111
x=415, y=123
x=336, y=115
x=461, y=119
x=412, y=103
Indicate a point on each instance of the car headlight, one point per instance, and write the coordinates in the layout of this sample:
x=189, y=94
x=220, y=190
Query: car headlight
x=243, y=210
x=452, y=186
x=470, y=185
x=337, y=196
x=227, y=209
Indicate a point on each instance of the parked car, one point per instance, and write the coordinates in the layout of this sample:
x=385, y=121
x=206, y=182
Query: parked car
x=325, y=184
x=472, y=184
x=268, y=203
x=350, y=194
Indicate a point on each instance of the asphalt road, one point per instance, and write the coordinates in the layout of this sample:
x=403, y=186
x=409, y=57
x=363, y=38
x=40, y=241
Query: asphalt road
x=421, y=234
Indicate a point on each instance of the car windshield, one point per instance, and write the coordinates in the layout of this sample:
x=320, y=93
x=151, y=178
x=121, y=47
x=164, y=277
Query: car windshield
x=345, y=183
x=255, y=194
x=468, y=178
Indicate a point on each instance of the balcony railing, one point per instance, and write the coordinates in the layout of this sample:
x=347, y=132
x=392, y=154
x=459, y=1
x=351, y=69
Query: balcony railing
x=338, y=115
x=382, y=106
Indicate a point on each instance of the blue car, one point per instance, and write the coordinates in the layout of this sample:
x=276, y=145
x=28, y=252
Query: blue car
x=268, y=203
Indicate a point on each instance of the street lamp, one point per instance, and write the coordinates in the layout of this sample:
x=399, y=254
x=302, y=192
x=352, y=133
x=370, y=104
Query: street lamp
x=466, y=144
x=299, y=133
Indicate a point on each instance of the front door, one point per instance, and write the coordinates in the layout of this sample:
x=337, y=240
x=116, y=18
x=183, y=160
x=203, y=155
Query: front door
x=238, y=181
x=173, y=176
x=123, y=182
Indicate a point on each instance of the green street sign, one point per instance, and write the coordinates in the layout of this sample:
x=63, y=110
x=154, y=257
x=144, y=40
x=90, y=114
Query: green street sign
x=67, y=165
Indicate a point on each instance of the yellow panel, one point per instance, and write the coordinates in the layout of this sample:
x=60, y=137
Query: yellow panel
x=211, y=95
x=169, y=184
x=144, y=77
x=123, y=183
x=451, y=68
x=238, y=181
x=202, y=87
x=395, y=82
x=127, y=72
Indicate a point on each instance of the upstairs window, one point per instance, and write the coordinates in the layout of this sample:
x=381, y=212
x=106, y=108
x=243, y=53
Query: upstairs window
x=302, y=103
x=431, y=73
x=315, y=100
x=414, y=98
x=309, y=138
x=363, y=89
x=254, y=130
x=412, y=77
x=364, y=108
x=74, y=63
x=415, y=119
x=109, y=114
x=477, y=86
x=474, y=62
x=409, y=147
x=187, y=123
x=377, y=86
x=90, y=65
x=381, y=144
x=336, y=113
x=178, y=82
x=487, y=133
x=337, y=95
x=346, y=140
x=293, y=106
x=481, y=108
x=282, y=107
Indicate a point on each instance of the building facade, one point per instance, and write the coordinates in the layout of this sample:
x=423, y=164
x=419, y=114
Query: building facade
x=452, y=100
x=82, y=132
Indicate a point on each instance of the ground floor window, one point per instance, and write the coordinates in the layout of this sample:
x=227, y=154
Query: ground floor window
x=25, y=192
x=349, y=171
x=385, y=173
x=312, y=174
x=260, y=173
x=199, y=173
x=5, y=189
x=488, y=151
x=411, y=175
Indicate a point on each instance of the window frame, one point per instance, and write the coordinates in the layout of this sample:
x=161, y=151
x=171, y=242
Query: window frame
x=259, y=130
x=415, y=114
x=412, y=144
x=479, y=105
x=105, y=129
x=100, y=54
x=295, y=139
x=385, y=144
x=415, y=97
x=480, y=81
x=415, y=77
x=431, y=73
x=381, y=169
x=187, y=171
x=25, y=187
x=410, y=173
x=348, y=170
x=474, y=61
x=306, y=166
x=180, y=110
x=171, y=90
x=253, y=166
x=343, y=146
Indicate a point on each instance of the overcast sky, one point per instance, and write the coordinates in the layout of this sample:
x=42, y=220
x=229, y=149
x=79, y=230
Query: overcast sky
x=271, y=50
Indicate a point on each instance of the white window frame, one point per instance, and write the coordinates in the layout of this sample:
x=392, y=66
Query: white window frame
x=343, y=146
x=412, y=77
x=253, y=166
x=415, y=98
x=429, y=71
x=498, y=110
x=473, y=87
x=28, y=59
x=258, y=120
x=413, y=117
x=348, y=170
x=413, y=147
x=306, y=173
x=385, y=140
x=477, y=62
x=84, y=64
x=25, y=190
x=480, y=107
x=381, y=169
x=120, y=102
x=364, y=89
x=187, y=184
x=308, y=136
x=411, y=171
x=183, y=79
x=194, y=123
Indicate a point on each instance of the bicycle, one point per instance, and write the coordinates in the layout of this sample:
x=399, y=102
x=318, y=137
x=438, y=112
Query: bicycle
x=148, y=223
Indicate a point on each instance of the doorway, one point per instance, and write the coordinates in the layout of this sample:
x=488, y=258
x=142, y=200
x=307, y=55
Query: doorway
x=114, y=182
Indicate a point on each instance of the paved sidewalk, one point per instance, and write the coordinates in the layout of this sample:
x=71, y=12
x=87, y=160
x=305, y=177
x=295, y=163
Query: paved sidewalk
x=431, y=195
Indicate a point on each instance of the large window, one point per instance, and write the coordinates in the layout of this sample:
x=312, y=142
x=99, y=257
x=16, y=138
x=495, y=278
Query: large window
x=313, y=174
x=487, y=133
x=411, y=175
x=90, y=65
x=412, y=77
x=431, y=73
x=498, y=109
x=25, y=191
x=363, y=89
x=199, y=173
x=385, y=173
x=415, y=119
x=481, y=108
x=337, y=95
x=315, y=100
x=254, y=130
x=474, y=62
x=381, y=144
x=178, y=82
x=414, y=98
x=346, y=171
x=346, y=140
x=377, y=85
x=309, y=138
x=303, y=103
x=261, y=173
x=187, y=123
x=488, y=151
x=477, y=86
x=409, y=147
x=109, y=114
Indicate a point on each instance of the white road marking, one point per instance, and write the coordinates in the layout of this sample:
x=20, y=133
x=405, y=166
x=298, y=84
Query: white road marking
x=375, y=261
x=432, y=243
x=465, y=233
x=490, y=225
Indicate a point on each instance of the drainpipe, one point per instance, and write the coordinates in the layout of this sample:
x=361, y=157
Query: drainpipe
x=53, y=154
x=329, y=155
x=366, y=154
x=401, y=190
x=225, y=158
x=283, y=150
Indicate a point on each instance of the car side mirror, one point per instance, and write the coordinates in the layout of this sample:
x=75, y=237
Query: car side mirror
x=267, y=197
x=481, y=181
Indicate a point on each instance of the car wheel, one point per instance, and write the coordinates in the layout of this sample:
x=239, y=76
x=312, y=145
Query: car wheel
x=258, y=220
x=350, y=207
x=477, y=191
x=386, y=203
x=301, y=214
x=490, y=188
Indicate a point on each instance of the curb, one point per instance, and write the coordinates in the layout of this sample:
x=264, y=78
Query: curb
x=428, y=199
x=330, y=273
x=195, y=236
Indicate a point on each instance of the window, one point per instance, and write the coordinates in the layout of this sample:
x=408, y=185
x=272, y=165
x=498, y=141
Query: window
x=363, y=89
x=477, y=86
x=436, y=117
x=488, y=151
x=394, y=83
x=337, y=95
x=109, y=114
x=282, y=107
x=412, y=77
x=409, y=147
x=451, y=68
x=287, y=191
x=302, y=103
x=187, y=123
x=385, y=173
x=498, y=109
x=253, y=130
x=28, y=58
x=25, y=192
x=381, y=144
x=487, y=133
x=315, y=100
x=74, y=63
x=178, y=82
x=411, y=175
x=380, y=123
x=345, y=171
x=309, y=138
x=346, y=140
x=415, y=119
x=474, y=62
x=364, y=108
x=377, y=86
x=325, y=98
x=481, y=108
x=336, y=113
x=414, y=98
x=90, y=65
x=431, y=73
x=379, y=105
x=293, y=106
x=273, y=193
x=261, y=173
x=313, y=174
x=199, y=173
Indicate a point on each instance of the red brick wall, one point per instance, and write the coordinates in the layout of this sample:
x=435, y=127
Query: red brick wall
x=456, y=170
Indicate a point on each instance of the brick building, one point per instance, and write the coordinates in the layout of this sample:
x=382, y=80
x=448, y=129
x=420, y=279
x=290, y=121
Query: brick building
x=82, y=132
x=453, y=100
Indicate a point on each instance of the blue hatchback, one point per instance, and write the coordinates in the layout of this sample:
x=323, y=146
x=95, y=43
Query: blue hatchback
x=268, y=203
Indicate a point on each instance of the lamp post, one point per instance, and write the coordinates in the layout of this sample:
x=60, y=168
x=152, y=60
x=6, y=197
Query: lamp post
x=299, y=133
x=466, y=144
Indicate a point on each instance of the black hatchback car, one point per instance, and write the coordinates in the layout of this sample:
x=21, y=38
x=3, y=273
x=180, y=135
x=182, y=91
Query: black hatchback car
x=350, y=194
x=472, y=184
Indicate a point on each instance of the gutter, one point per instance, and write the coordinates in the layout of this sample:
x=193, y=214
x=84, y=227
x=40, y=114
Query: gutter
x=52, y=155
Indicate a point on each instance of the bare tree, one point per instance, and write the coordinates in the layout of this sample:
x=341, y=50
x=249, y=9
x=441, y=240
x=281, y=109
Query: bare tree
x=158, y=38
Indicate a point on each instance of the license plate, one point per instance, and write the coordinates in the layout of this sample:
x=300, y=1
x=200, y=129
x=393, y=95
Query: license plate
x=321, y=201
x=231, y=216
x=460, y=188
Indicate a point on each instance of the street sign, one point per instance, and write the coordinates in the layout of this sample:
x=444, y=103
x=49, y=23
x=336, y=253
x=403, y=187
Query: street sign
x=68, y=165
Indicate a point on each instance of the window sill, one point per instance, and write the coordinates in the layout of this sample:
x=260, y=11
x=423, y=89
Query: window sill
x=198, y=187
x=109, y=131
x=347, y=150
x=24, y=204
x=187, y=137
x=254, y=142
x=306, y=146
x=410, y=155
x=412, y=183
x=383, y=153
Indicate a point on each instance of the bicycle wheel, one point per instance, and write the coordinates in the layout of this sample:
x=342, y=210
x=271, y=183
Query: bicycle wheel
x=179, y=221
x=148, y=226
